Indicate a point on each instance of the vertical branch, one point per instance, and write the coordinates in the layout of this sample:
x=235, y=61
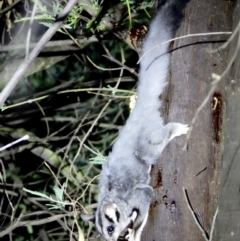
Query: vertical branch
x=12, y=83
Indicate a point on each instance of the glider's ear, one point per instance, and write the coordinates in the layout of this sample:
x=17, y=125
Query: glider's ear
x=88, y=217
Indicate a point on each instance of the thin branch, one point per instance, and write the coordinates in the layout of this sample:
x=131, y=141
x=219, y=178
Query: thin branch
x=213, y=224
x=19, y=223
x=60, y=185
x=181, y=37
x=228, y=41
x=29, y=101
x=103, y=69
x=46, y=121
x=131, y=70
x=193, y=215
x=8, y=8
x=24, y=138
x=216, y=80
x=197, y=222
x=30, y=28
x=111, y=58
x=98, y=117
x=50, y=44
x=25, y=64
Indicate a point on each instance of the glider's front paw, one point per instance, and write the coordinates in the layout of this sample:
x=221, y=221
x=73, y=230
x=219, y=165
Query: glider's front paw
x=177, y=129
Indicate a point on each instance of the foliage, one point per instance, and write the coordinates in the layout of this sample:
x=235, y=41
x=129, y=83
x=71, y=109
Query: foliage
x=72, y=112
x=58, y=199
x=49, y=17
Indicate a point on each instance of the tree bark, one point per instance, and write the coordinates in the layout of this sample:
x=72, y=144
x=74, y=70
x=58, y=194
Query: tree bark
x=228, y=222
x=198, y=169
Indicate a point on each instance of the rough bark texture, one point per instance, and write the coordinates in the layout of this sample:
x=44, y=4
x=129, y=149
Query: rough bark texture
x=199, y=168
x=228, y=221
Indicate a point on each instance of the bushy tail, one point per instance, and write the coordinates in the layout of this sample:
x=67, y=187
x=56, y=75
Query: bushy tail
x=155, y=59
x=145, y=125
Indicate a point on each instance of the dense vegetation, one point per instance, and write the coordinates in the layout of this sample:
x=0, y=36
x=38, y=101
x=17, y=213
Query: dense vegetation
x=71, y=102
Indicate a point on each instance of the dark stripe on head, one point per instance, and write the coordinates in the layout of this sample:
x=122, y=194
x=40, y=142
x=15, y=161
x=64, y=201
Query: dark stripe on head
x=109, y=219
x=117, y=215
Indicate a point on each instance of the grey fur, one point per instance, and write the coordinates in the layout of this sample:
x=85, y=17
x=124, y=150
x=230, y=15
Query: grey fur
x=124, y=182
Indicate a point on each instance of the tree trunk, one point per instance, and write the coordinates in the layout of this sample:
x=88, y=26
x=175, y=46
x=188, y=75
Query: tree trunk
x=228, y=222
x=198, y=169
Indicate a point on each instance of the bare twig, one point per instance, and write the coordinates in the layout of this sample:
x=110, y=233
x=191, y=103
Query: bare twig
x=24, y=138
x=216, y=80
x=49, y=168
x=196, y=221
x=103, y=69
x=30, y=28
x=228, y=41
x=50, y=44
x=181, y=37
x=110, y=57
x=194, y=216
x=19, y=223
x=89, y=90
x=25, y=64
x=8, y=8
x=95, y=121
x=46, y=121
x=131, y=70
x=213, y=223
